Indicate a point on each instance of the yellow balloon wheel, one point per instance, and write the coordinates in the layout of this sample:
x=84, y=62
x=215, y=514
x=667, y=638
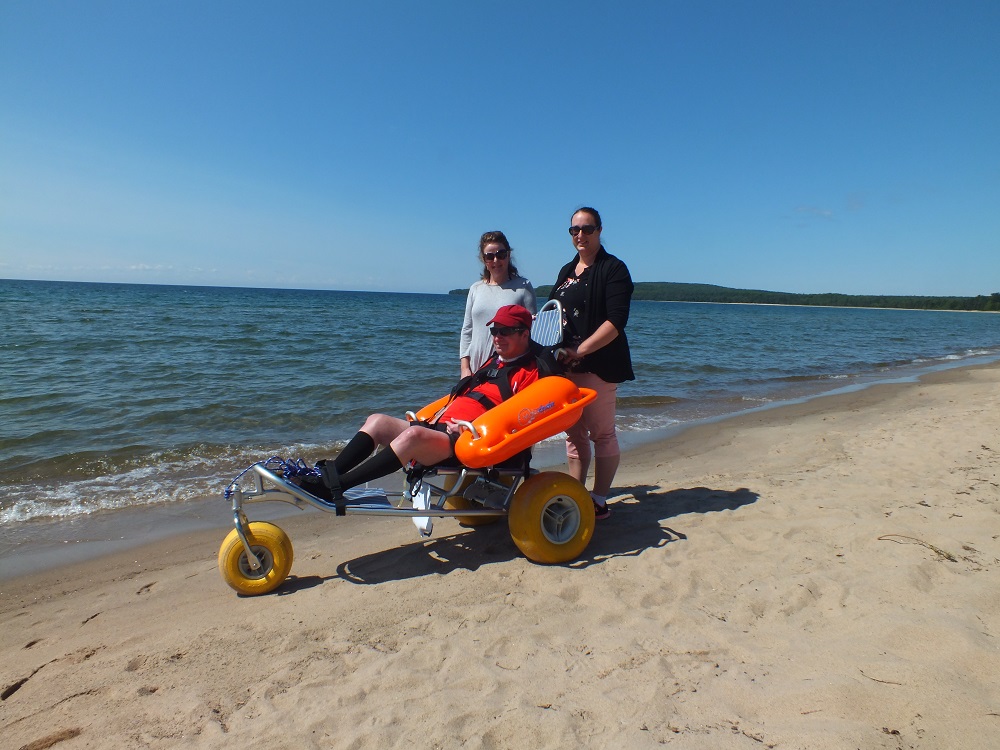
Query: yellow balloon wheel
x=551, y=518
x=273, y=549
x=457, y=502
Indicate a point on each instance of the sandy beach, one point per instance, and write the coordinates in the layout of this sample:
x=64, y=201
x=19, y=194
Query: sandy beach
x=819, y=575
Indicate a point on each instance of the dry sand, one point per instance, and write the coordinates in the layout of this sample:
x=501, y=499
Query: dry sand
x=822, y=575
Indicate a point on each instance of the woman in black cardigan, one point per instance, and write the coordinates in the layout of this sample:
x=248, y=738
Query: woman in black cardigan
x=595, y=289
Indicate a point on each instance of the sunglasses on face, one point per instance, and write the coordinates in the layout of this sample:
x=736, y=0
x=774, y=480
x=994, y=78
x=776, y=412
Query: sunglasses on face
x=586, y=229
x=499, y=255
x=506, y=331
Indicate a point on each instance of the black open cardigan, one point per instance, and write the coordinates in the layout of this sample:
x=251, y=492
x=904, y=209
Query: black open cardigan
x=609, y=297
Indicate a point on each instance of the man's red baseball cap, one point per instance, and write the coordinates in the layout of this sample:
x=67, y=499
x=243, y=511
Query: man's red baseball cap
x=512, y=315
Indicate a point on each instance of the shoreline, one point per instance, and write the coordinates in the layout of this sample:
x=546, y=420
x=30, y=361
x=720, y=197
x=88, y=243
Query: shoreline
x=822, y=575
x=53, y=543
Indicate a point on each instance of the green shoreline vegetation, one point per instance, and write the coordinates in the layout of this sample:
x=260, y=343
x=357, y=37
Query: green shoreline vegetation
x=668, y=291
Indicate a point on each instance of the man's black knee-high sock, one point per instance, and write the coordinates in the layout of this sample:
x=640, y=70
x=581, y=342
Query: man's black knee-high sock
x=381, y=464
x=356, y=451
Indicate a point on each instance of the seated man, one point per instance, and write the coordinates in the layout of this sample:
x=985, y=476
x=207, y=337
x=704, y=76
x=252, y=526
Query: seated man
x=510, y=370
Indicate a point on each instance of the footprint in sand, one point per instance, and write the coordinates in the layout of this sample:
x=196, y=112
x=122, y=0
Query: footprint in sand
x=53, y=739
x=570, y=594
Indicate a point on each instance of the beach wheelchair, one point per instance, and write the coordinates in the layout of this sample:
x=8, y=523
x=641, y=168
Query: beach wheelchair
x=550, y=514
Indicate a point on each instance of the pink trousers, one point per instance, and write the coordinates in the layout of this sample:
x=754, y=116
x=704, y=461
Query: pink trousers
x=597, y=425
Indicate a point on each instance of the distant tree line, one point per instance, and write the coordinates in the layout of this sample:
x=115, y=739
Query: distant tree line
x=667, y=291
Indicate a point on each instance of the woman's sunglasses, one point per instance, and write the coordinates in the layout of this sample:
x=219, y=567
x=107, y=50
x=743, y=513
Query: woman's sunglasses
x=506, y=331
x=586, y=229
x=499, y=255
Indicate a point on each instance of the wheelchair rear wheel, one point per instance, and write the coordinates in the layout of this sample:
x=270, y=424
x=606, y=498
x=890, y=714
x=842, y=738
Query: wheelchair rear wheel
x=551, y=518
x=458, y=502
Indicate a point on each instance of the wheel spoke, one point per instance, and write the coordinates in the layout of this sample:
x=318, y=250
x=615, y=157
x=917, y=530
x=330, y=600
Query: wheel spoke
x=560, y=519
x=266, y=563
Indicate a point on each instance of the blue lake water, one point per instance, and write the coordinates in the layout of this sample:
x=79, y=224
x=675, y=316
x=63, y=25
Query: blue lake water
x=120, y=396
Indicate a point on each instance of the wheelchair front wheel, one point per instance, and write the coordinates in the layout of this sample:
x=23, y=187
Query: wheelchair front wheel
x=273, y=549
x=551, y=518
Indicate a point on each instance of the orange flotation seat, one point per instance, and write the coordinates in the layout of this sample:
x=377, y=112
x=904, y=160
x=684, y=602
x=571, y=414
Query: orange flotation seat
x=543, y=409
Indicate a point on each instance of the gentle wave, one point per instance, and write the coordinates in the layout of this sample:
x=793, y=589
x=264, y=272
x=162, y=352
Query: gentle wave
x=813, y=378
x=149, y=479
x=642, y=401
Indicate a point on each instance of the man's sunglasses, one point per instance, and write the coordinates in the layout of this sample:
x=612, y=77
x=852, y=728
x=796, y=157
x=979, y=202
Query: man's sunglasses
x=506, y=331
x=586, y=229
x=499, y=255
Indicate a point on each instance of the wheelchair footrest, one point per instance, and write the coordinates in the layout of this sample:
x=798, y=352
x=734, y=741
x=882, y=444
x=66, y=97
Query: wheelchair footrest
x=367, y=497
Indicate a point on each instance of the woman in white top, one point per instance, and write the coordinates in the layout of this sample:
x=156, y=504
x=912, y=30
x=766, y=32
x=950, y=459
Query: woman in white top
x=501, y=285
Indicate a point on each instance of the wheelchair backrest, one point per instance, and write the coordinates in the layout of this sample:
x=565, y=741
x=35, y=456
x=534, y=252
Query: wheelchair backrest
x=547, y=330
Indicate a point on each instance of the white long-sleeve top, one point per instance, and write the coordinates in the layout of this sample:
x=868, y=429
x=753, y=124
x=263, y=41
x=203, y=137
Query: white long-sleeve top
x=482, y=304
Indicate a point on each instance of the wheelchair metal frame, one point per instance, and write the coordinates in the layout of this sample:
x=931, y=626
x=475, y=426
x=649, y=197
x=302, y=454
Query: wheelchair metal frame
x=371, y=501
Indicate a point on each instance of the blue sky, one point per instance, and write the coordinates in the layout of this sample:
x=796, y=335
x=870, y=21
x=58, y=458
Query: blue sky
x=792, y=146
